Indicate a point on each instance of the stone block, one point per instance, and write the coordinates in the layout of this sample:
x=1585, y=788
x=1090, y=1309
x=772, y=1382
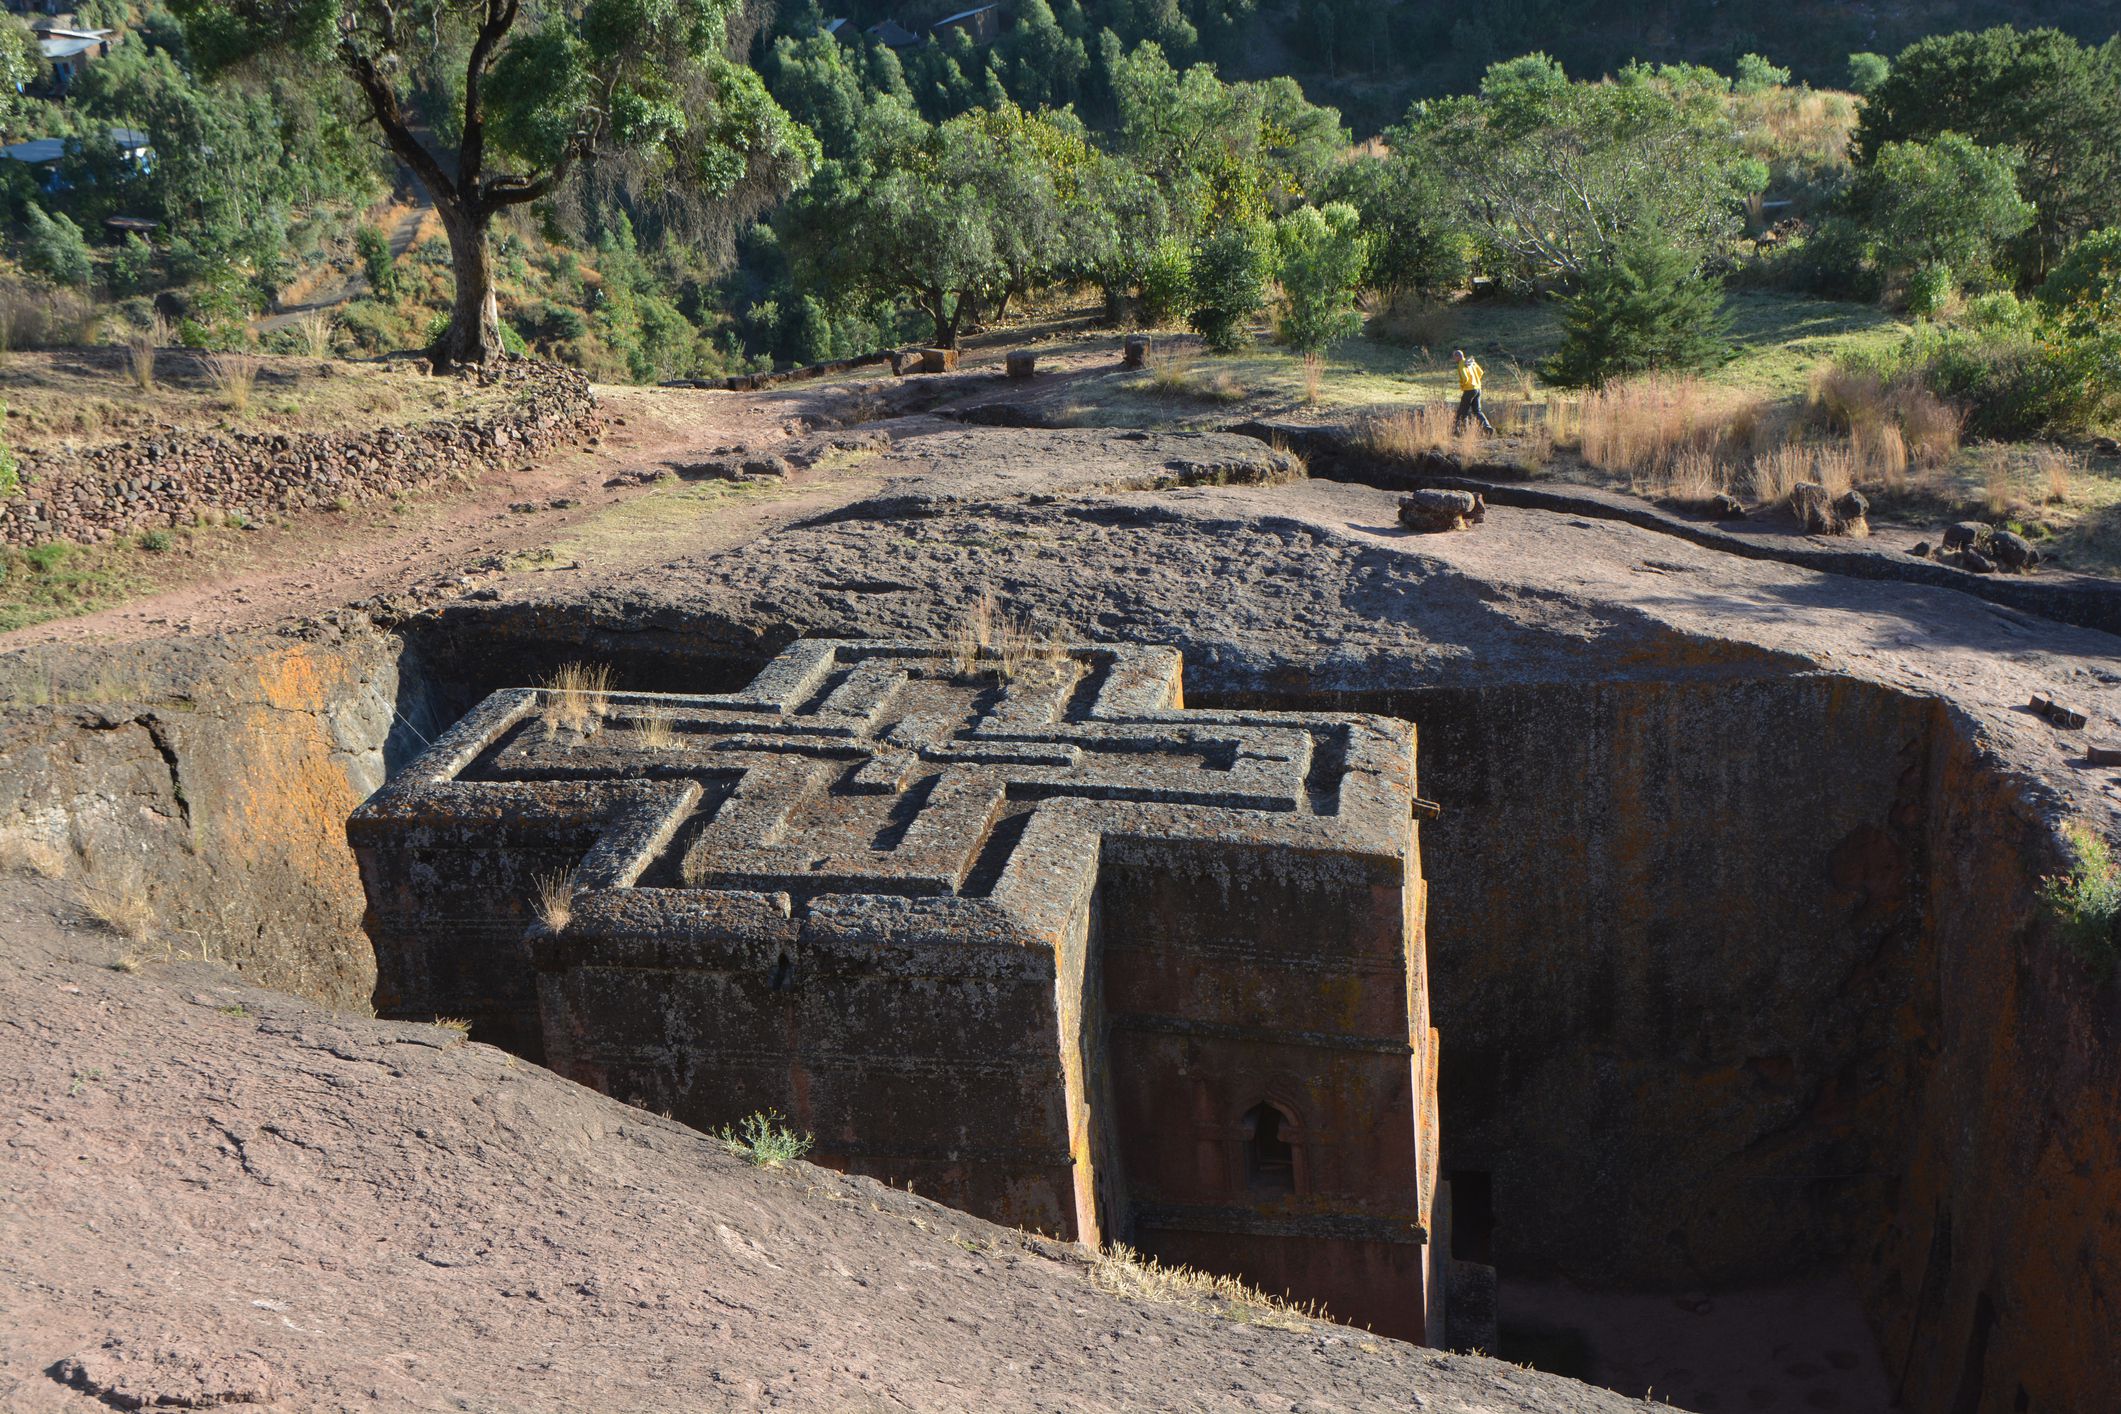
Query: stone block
x=938, y=360
x=1134, y=353
x=1040, y=942
x=1022, y=363
x=1429, y=511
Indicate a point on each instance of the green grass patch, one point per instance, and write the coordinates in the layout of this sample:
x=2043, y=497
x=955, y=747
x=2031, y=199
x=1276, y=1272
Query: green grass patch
x=764, y=1139
x=60, y=579
x=2084, y=905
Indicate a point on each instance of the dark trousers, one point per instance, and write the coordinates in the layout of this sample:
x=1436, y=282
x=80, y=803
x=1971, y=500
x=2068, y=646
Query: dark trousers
x=1468, y=408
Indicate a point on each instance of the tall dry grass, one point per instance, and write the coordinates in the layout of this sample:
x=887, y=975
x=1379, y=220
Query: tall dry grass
x=989, y=639
x=234, y=375
x=1411, y=433
x=1641, y=428
x=576, y=696
x=143, y=342
x=315, y=329
x=1859, y=404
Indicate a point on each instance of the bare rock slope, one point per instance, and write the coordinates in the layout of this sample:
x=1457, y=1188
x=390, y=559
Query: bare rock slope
x=212, y=1195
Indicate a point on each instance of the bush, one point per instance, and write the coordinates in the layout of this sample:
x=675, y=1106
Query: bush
x=376, y=262
x=55, y=249
x=1322, y=256
x=1229, y=287
x=2085, y=904
x=1648, y=309
x=1755, y=74
x=1867, y=71
x=2034, y=380
x=764, y=1139
x=132, y=266
x=2085, y=287
x=1930, y=290
x=1167, y=283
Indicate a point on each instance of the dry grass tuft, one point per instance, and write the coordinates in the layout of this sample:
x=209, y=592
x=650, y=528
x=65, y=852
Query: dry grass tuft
x=1778, y=471
x=1640, y=427
x=1862, y=406
x=20, y=855
x=1997, y=493
x=1179, y=375
x=1121, y=1271
x=655, y=730
x=1695, y=477
x=1314, y=377
x=142, y=344
x=989, y=639
x=117, y=903
x=1288, y=449
x=2056, y=470
x=576, y=696
x=315, y=327
x=553, y=903
x=234, y=375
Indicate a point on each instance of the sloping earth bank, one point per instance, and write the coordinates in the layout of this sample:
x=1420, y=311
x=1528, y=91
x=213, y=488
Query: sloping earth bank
x=213, y=1195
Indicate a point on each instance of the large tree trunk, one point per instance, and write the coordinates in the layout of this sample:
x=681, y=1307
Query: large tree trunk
x=474, y=332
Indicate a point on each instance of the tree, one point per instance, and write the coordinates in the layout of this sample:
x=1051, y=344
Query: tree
x=1648, y=307
x=1417, y=241
x=2054, y=102
x=1231, y=267
x=1943, y=205
x=1321, y=256
x=1554, y=176
x=372, y=244
x=20, y=64
x=954, y=217
x=53, y=247
x=641, y=86
x=1867, y=71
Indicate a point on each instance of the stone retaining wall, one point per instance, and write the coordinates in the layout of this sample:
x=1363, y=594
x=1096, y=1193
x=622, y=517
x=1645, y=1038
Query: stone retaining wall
x=100, y=493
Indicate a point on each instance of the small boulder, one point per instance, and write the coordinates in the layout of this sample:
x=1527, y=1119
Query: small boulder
x=766, y=466
x=1852, y=510
x=1022, y=363
x=1967, y=535
x=1429, y=511
x=2014, y=553
x=1725, y=506
x=1920, y=550
x=938, y=360
x=1977, y=562
x=1814, y=508
x=1135, y=352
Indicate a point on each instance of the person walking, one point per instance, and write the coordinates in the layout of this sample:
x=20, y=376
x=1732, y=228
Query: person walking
x=1470, y=376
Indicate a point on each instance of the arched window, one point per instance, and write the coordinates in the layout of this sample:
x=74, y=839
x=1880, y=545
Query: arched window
x=1270, y=1158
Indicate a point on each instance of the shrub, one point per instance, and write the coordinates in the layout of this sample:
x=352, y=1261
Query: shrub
x=763, y=1139
x=1930, y=290
x=1755, y=74
x=1167, y=283
x=1648, y=309
x=1868, y=70
x=376, y=261
x=2085, y=903
x=2085, y=287
x=1229, y=287
x=155, y=542
x=1322, y=255
x=54, y=247
x=2015, y=384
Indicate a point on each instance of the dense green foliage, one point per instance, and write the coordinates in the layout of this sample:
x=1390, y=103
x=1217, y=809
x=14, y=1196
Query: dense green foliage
x=1554, y=177
x=1647, y=307
x=2040, y=94
x=1941, y=211
x=1320, y=258
x=1231, y=267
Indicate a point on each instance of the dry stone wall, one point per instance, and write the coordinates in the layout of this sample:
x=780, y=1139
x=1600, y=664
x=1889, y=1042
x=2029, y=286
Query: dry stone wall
x=121, y=488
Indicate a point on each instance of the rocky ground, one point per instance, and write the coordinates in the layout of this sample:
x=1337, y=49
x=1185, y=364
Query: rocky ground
x=212, y=1195
x=216, y=1190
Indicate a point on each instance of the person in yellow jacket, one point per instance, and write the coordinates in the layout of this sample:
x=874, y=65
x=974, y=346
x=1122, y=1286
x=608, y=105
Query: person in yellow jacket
x=1470, y=376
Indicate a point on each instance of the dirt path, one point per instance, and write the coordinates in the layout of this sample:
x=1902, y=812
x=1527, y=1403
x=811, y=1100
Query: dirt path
x=324, y=561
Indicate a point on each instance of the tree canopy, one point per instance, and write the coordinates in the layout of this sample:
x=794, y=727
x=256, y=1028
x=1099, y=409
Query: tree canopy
x=2055, y=102
x=645, y=90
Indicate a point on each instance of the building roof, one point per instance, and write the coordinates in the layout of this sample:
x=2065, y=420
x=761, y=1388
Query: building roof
x=68, y=47
x=833, y=28
x=38, y=151
x=948, y=20
x=892, y=35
